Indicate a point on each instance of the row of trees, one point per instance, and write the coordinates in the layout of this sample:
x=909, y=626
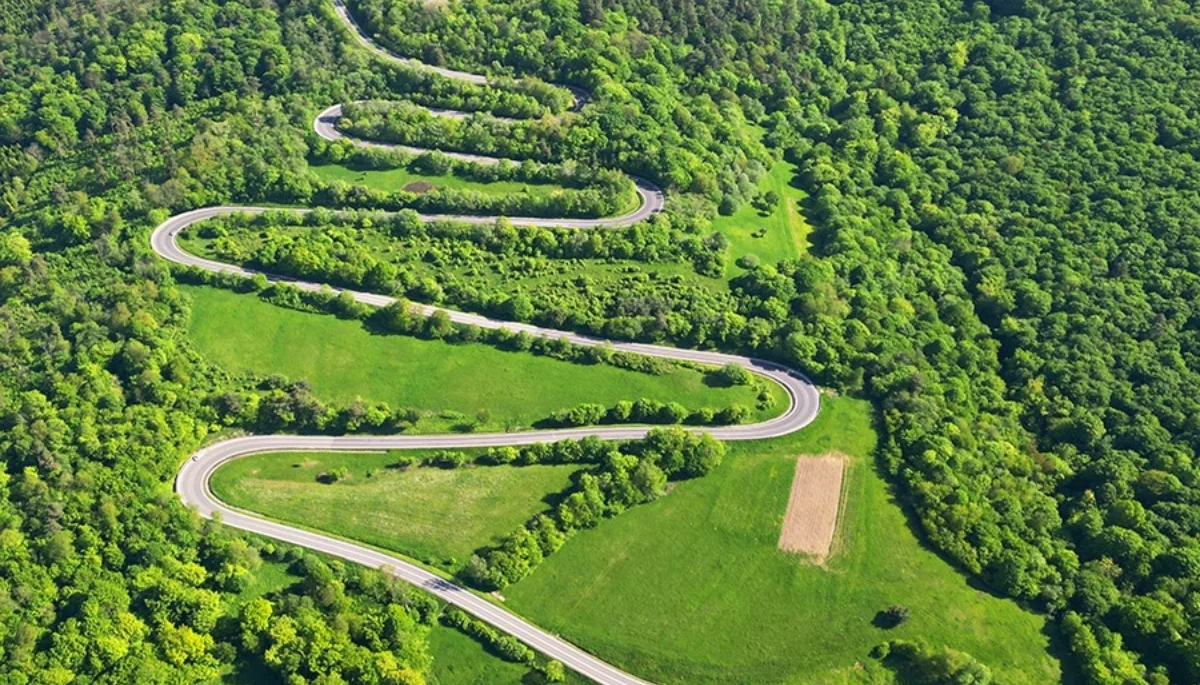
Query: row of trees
x=591, y=203
x=506, y=646
x=506, y=97
x=648, y=411
x=435, y=163
x=460, y=266
x=638, y=117
x=308, y=413
x=111, y=117
x=542, y=140
x=337, y=246
x=626, y=475
x=586, y=193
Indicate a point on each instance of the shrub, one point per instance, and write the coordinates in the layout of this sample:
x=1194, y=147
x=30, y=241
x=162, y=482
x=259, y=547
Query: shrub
x=734, y=413
x=749, y=261
x=672, y=412
x=554, y=672
x=334, y=475
x=732, y=374
x=403, y=462
x=447, y=459
x=582, y=415
x=506, y=454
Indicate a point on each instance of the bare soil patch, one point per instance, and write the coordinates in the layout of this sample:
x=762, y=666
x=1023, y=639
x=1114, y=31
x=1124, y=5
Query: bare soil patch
x=813, y=506
x=418, y=187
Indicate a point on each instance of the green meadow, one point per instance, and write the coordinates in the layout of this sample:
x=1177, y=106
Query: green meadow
x=436, y=515
x=344, y=361
x=692, y=589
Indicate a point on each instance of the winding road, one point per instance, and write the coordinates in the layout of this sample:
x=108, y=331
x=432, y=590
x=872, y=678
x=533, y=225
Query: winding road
x=192, y=481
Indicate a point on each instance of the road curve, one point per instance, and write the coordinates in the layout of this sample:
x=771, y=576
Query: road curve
x=360, y=34
x=192, y=480
x=650, y=197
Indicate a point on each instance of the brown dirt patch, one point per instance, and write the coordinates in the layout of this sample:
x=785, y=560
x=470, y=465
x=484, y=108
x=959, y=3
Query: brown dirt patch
x=812, y=510
x=418, y=187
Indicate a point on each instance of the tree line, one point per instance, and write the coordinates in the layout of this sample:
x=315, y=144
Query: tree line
x=626, y=475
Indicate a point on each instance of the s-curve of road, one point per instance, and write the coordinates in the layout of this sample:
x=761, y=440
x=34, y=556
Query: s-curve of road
x=192, y=481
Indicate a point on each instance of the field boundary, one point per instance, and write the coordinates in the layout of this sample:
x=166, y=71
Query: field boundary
x=816, y=504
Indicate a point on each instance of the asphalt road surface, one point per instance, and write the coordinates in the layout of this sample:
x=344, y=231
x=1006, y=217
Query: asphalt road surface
x=192, y=481
x=651, y=198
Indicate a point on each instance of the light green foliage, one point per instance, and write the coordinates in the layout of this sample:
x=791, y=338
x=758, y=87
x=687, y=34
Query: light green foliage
x=396, y=179
x=692, y=589
x=1003, y=261
x=344, y=362
x=769, y=230
x=429, y=513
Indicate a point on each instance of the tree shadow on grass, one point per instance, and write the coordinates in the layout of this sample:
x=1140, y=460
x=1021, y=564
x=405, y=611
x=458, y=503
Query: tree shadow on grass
x=820, y=235
x=1061, y=651
x=553, y=499
x=885, y=621
x=714, y=380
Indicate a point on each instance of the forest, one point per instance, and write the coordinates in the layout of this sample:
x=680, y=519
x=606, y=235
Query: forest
x=1005, y=199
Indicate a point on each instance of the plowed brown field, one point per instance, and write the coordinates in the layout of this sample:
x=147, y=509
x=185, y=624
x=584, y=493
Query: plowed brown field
x=812, y=511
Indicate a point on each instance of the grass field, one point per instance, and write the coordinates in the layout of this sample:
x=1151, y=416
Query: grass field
x=691, y=589
x=460, y=660
x=390, y=180
x=436, y=515
x=782, y=232
x=344, y=361
x=395, y=179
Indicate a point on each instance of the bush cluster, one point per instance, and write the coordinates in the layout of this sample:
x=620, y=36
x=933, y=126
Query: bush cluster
x=626, y=475
x=507, y=647
x=648, y=411
x=400, y=318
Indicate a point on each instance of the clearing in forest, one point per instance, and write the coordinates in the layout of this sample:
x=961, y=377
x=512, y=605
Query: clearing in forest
x=812, y=510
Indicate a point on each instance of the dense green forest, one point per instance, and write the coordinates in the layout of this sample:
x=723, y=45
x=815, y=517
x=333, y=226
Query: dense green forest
x=1005, y=198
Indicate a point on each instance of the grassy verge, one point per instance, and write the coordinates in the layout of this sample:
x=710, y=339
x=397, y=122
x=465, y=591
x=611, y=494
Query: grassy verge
x=343, y=361
x=391, y=180
x=437, y=515
x=774, y=236
x=691, y=589
x=460, y=660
